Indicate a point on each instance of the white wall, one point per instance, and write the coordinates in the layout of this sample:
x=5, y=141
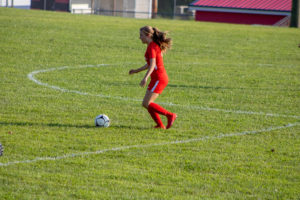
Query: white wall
x=128, y=6
x=24, y=4
x=81, y=6
x=143, y=6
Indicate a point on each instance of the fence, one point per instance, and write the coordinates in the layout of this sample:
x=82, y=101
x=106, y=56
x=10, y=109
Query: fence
x=134, y=14
x=285, y=22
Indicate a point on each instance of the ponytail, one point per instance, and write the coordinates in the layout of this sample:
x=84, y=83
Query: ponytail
x=159, y=37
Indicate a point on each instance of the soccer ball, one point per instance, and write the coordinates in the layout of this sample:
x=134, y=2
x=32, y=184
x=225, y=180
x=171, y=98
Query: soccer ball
x=102, y=121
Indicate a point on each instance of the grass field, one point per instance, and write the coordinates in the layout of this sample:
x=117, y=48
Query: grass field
x=236, y=90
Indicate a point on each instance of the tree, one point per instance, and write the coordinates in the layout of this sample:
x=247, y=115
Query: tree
x=295, y=21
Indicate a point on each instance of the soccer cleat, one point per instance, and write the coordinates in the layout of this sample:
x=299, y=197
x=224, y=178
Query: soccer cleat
x=162, y=126
x=171, y=119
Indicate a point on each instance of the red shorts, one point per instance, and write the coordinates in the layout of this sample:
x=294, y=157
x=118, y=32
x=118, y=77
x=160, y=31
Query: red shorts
x=157, y=86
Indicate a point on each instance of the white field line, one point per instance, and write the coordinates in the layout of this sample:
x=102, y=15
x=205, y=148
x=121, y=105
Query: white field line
x=31, y=77
x=220, y=136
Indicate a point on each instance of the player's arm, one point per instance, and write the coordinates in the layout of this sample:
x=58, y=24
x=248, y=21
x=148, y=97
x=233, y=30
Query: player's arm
x=149, y=72
x=139, y=69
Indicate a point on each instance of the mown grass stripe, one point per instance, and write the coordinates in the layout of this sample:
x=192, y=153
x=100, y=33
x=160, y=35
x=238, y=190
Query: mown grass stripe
x=31, y=77
x=220, y=136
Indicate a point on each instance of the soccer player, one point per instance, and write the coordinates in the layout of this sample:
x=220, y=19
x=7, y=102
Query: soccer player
x=158, y=44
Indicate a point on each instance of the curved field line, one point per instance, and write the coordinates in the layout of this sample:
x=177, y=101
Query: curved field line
x=220, y=136
x=32, y=74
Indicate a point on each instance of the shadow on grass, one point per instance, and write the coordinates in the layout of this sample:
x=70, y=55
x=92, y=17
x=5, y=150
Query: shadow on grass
x=86, y=126
x=130, y=127
x=181, y=86
x=228, y=88
x=44, y=124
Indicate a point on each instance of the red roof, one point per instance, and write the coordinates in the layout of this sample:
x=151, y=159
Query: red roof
x=269, y=5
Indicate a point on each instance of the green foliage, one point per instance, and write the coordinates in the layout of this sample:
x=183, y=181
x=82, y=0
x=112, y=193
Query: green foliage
x=215, y=71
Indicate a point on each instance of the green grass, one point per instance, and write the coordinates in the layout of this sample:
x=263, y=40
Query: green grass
x=219, y=67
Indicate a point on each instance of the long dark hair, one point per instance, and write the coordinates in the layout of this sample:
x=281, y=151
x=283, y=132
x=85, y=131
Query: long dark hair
x=159, y=37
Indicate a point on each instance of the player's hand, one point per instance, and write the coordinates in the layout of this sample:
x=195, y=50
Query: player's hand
x=143, y=83
x=132, y=71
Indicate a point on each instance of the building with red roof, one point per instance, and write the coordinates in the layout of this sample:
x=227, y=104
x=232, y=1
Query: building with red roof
x=262, y=12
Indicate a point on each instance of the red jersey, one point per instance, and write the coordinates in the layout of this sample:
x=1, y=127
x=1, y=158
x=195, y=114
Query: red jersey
x=159, y=72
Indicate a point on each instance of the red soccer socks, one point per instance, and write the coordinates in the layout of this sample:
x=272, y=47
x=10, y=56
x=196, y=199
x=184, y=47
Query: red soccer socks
x=155, y=109
x=158, y=109
x=155, y=116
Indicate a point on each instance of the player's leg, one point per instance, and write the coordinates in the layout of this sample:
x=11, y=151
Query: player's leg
x=160, y=110
x=155, y=109
x=150, y=97
x=155, y=88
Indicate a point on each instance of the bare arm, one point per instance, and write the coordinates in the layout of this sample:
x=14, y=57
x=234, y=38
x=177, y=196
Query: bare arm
x=149, y=72
x=132, y=71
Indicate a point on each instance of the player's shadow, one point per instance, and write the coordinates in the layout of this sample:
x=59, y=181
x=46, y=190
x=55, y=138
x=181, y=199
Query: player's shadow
x=85, y=126
x=46, y=124
x=199, y=87
x=130, y=127
x=228, y=88
x=205, y=87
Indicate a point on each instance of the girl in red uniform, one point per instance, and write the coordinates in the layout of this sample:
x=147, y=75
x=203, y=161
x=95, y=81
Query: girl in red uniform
x=157, y=44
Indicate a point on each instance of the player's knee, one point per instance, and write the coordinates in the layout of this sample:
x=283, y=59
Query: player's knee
x=145, y=104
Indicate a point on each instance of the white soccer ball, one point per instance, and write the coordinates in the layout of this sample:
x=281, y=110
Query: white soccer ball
x=102, y=121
